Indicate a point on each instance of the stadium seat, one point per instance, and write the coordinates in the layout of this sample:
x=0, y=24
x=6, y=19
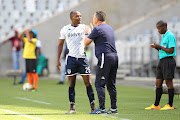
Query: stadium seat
x=52, y=5
x=41, y=5
x=19, y=5
x=14, y=74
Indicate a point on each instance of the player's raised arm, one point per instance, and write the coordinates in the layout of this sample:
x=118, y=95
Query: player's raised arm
x=21, y=35
x=59, y=51
x=88, y=30
x=27, y=32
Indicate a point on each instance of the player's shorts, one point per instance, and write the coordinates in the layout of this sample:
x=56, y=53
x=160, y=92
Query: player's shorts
x=166, y=68
x=31, y=65
x=77, y=65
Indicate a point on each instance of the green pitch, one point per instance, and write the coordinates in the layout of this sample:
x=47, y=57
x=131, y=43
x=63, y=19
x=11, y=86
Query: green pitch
x=50, y=102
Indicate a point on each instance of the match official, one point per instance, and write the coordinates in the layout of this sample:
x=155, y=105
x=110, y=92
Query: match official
x=166, y=66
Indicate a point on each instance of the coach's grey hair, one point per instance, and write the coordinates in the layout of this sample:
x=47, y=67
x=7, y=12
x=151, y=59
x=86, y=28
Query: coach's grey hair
x=100, y=15
x=162, y=23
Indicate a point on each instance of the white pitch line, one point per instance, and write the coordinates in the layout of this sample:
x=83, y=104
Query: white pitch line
x=114, y=117
x=36, y=101
x=23, y=115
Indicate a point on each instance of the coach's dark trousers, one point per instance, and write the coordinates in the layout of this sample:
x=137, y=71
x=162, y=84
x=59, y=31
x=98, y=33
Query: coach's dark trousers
x=106, y=75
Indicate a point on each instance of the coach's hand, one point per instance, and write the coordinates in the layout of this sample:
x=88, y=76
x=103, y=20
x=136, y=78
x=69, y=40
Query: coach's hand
x=58, y=66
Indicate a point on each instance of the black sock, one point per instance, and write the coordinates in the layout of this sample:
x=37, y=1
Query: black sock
x=90, y=94
x=71, y=95
x=158, y=96
x=171, y=96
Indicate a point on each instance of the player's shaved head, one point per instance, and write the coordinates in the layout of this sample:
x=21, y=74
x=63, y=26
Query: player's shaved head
x=100, y=15
x=73, y=13
x=161, y=23
x=75, y=17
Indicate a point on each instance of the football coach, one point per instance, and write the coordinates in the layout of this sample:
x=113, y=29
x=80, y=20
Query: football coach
x=106, y=70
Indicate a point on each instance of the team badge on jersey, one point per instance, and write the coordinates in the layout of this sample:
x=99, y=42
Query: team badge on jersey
x=69, y=71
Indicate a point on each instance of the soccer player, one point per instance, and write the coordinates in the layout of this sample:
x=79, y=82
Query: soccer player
x=29, y=55
x=76, y=61
x=166, y=66
x=105, y=51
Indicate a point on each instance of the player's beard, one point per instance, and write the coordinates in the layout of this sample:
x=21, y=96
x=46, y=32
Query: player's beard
x=79, y=21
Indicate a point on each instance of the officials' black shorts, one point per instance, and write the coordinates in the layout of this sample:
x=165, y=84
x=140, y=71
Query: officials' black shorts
x=77, y=65
x=166, y=68
x=31, y=65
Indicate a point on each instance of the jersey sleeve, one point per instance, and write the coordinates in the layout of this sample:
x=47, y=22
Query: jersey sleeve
x=94, y=34
x=62, y=34
x=25, y=39
x=171, y=41
x=38, y=44
x=34, y=40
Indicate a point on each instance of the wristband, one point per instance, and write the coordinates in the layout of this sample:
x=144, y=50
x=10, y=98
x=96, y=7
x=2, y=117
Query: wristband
x=86, y=34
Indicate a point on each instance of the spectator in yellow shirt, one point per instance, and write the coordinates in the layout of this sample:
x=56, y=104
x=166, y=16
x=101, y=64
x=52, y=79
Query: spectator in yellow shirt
x=30, y=56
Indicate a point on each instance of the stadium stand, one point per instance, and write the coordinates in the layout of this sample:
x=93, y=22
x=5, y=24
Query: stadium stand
x=136, y=53
x=21, y=14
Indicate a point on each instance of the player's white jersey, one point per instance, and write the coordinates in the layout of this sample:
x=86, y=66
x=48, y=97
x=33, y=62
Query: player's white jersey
x=74, y=37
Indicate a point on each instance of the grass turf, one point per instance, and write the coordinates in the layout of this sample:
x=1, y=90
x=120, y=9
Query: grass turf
x=51, y=102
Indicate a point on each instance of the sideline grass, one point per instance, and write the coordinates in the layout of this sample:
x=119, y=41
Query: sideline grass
x=131, y=103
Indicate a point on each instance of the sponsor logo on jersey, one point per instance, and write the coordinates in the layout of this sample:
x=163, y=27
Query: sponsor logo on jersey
x=75, y=34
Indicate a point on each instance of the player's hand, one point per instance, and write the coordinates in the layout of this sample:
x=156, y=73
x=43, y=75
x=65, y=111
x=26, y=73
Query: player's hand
x=91, y=27
x=87, y=29
x=58, y=66
x=27, y=31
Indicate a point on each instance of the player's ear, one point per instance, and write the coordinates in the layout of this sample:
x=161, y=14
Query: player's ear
x=71, y=17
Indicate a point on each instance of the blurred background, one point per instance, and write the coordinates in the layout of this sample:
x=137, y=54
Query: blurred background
x=132, y=20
